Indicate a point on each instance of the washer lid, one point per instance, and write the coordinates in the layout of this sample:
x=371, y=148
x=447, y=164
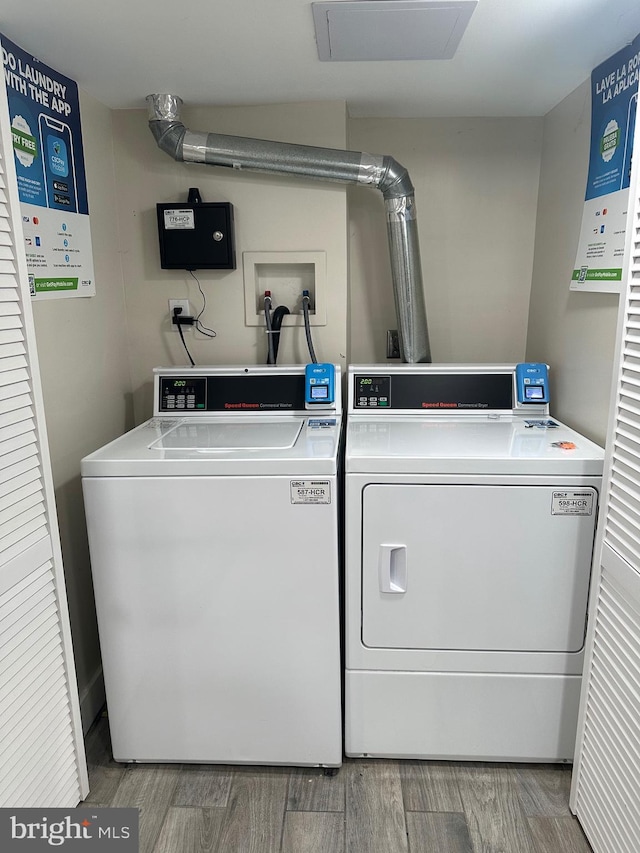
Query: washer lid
x=226, y=445
x=231, y=434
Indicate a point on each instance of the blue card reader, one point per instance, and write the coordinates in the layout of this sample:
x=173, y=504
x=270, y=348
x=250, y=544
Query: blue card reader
x=532, y=383
x=319, y=386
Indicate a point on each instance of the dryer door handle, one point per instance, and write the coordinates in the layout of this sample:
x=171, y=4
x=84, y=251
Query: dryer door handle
x=392, y=568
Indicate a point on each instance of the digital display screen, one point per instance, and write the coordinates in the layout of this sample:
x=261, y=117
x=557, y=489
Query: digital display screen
x=534, y=392
x=319, y=392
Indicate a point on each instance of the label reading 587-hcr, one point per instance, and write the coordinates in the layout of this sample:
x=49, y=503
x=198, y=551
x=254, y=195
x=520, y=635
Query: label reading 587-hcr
x=310, y=492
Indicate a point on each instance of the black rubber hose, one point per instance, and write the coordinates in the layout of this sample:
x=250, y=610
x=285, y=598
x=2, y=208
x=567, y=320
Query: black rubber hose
x=268, y=323
x=307, y=327
x=276, y=322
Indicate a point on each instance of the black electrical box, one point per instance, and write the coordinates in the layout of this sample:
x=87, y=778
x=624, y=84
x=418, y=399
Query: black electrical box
x=196, y=236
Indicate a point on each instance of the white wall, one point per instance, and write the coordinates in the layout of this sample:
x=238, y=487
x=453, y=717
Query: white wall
x=272, y=213
x=82, y=348
x=476, y=184
x=573, y=332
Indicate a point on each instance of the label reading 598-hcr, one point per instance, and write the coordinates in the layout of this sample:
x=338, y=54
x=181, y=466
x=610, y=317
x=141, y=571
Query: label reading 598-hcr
x=310, y=492
x=572, y=503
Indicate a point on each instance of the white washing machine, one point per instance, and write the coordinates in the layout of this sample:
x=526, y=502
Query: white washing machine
x=213, y=531
x=470, y=518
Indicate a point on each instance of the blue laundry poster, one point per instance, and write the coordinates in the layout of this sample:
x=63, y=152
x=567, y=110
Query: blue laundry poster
x=614, y=99
x=44, y=112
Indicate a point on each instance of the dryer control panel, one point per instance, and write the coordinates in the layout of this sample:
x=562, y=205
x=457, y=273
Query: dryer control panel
x=441, y=389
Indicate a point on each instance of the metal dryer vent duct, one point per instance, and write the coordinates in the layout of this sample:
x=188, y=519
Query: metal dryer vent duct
x=326, y=164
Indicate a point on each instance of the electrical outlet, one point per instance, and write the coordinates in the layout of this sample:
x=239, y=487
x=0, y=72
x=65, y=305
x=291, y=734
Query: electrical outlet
x=393, y=344
x=186, y=312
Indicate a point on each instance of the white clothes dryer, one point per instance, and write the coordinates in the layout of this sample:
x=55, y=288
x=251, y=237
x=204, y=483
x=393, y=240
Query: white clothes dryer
x=213, y=531
x=470, y=518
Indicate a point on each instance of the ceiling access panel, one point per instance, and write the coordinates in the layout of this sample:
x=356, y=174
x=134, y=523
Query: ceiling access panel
x=390, y=29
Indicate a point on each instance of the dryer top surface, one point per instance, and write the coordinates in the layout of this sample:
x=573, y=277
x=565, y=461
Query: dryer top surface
x=468, y=444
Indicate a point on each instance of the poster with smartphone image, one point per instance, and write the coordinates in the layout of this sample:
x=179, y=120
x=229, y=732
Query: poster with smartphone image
x=44, y=112
x=614, y=101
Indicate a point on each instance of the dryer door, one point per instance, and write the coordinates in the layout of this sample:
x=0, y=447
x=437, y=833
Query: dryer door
x=494, y=568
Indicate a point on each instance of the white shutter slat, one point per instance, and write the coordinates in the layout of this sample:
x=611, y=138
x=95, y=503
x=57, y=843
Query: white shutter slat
x=11, y=322
x=58, y=759
x=13, y=476
x=12, y=362
x=41, y=663
x=30, y=589
x=32, y=538
x=22, y=537
x=15, y=389
x=18, y=645
x=42, y=760
x=600, y=800
x=9, y=336
x=44, y=689
x=20, y=499
x=610, y=760
x=614, y=745
x=11, y=431
x=10, y=404
x=40, y=744
x=22, y=454
x=31, y=787
x=16, y=416
x=37, y=681
x=606, y=775
x=37, y=728
x=17, y=442
x=32, y=688
x=12, y=349
x=620, y=668
x=13, y=519
x=12, y=376
x=20, y=479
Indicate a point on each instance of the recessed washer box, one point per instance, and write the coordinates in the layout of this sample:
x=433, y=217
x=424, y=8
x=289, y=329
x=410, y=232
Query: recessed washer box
x=286, y=275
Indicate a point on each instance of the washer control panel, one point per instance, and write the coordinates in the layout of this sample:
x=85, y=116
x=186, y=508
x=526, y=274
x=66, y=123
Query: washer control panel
x=181, y=393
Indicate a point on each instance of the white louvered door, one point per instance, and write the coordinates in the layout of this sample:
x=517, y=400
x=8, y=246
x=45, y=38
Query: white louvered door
x=605, y=792
x=42, y=761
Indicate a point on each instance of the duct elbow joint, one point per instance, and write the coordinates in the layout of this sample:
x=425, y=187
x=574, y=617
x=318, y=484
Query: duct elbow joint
x=396, y=182
x=164, y=123
x=169, y=136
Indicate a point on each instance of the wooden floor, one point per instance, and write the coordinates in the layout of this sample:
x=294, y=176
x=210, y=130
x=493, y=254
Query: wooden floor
x=368, y=807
